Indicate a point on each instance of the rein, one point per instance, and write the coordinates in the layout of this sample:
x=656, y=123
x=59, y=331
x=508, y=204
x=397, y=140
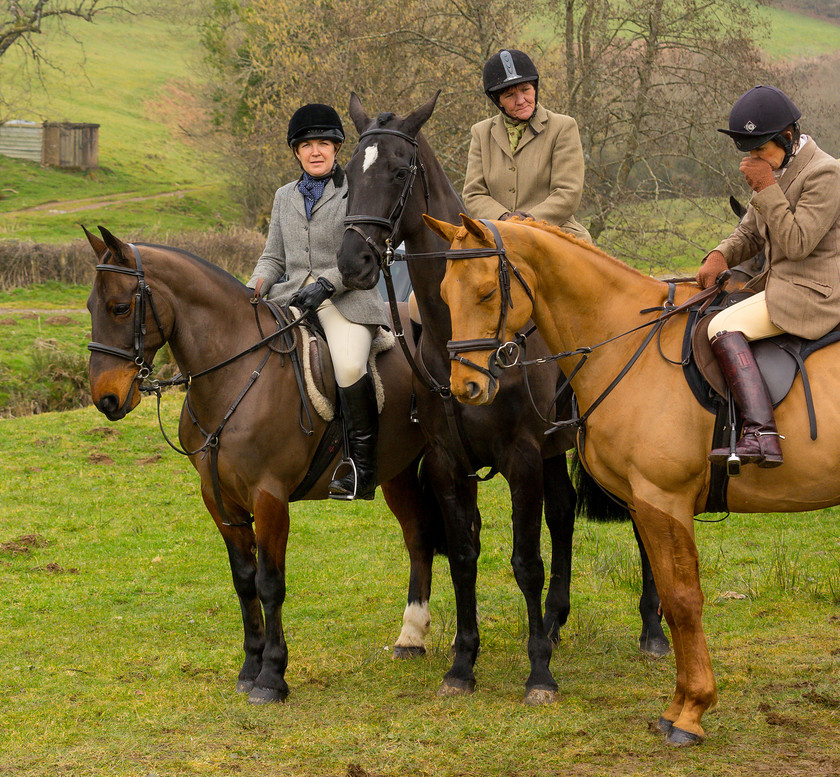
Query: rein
x=145, y=369
x=508, y=354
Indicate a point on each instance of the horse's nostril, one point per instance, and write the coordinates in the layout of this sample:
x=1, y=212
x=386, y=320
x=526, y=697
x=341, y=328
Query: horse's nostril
x=473, y=389
x=108, y=404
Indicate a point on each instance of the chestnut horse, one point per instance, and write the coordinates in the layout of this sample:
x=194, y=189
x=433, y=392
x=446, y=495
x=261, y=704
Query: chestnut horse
x=265, y=437
x=646, y=440
x=394, y=179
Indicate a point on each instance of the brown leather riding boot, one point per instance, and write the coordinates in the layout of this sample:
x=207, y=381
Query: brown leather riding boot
x=759, y=443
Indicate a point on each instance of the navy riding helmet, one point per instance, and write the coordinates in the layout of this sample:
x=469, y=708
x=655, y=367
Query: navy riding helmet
x=760, y=115
x=315, y=120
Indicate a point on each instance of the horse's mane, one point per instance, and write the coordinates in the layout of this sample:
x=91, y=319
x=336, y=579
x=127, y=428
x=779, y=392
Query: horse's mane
x=209, y=266
x=557, y=232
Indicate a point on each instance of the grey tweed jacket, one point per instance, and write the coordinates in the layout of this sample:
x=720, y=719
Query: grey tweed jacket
x=299, y=248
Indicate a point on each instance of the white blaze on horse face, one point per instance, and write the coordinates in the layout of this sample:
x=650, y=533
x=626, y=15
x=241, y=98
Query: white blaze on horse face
x=371, y=155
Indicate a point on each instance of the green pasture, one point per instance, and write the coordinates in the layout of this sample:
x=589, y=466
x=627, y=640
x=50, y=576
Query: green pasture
x=122, y=641
x=140, y=78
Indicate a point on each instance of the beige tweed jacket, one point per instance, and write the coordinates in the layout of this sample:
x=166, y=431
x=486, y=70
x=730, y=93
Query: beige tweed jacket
x=543, y=177
x=797, y=222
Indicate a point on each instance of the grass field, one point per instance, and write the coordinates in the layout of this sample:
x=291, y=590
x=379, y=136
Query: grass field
x=121, y=638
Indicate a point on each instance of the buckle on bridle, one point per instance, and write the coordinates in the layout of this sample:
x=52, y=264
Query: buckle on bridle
x=508, y=354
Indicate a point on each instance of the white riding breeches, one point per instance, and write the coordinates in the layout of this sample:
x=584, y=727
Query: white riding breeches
x=750, y=317
x=349, y=344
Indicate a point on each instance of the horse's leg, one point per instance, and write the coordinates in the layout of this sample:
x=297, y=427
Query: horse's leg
x=457, y=496
x=239, y=541
x=652, y=640
x=526, y=491
x=271, y=522
x=673, y=555
x=560, y=520
x=408, y=502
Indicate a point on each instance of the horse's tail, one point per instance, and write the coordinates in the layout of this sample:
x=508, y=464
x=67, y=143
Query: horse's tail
x=593, y=502
x=435, y=526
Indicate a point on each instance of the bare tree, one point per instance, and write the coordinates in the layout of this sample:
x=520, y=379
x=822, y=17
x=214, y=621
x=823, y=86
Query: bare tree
x=24, y=19
x=649, y=81
x=270, y=58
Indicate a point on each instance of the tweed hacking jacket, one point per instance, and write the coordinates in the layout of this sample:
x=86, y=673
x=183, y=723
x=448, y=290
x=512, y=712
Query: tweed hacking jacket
x=797, y=223
x=300, y=248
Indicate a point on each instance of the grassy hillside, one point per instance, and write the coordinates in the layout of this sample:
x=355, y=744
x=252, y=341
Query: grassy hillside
x=139, y=78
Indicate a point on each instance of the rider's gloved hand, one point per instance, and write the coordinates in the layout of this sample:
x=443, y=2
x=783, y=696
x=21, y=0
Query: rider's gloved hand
x=713, y=265
x=311, y=297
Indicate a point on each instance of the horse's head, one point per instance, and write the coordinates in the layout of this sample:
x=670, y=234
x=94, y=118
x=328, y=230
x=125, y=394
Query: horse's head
x=489, y=301
x=125, y=325
x=382, y=177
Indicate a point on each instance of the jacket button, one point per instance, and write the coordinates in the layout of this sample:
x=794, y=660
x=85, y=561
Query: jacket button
x=511, y=190
x=306, y=249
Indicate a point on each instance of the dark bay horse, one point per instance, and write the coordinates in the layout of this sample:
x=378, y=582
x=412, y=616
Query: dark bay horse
x=394, y=179
x=144, y=296
x=647, y=439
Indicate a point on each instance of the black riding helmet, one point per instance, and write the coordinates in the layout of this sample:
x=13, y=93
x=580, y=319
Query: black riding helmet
x=761, y=115
x=315, y=120
x=508, y=67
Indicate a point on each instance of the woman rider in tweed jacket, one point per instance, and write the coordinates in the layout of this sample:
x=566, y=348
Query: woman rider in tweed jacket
x=794, y=216
x=299, y=267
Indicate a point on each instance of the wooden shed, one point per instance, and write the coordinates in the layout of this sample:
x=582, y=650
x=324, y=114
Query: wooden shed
x=71, y=145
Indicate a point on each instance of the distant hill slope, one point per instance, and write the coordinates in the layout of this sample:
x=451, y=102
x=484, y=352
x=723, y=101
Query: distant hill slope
x=139, y=77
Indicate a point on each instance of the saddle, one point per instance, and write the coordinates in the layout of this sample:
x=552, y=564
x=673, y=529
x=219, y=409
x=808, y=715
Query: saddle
x=779, y=359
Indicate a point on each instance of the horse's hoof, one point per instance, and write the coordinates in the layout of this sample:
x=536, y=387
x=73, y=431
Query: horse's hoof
x=663, y=726
x=412, y=651
x=540, y=695
x=680, y=738
x=244, y=686
x=456, y=688
x=657, y=647
x=266, y=695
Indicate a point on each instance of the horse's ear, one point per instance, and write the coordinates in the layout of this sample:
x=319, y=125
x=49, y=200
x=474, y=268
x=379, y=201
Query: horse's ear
x=411, y=124
x=446, y=230
x=357, y=113
x=120, y=252
x=739, y=210
x=98, y=246
x=475, y=228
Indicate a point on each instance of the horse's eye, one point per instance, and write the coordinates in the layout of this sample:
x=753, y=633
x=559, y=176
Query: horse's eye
x=402, y=175
x=488, y=295
x=121, y=309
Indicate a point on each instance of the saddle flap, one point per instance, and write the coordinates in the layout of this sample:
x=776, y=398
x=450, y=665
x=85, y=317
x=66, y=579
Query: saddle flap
x=777, y=366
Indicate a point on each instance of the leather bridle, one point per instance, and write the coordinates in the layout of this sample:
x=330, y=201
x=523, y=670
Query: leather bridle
x=393, y=221
x=504, y=354
x=142, y=297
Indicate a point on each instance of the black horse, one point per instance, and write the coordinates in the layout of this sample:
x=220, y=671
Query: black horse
x=394, y=178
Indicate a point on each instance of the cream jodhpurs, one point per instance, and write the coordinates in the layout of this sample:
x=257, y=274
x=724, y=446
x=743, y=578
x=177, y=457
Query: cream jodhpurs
x=749, y=317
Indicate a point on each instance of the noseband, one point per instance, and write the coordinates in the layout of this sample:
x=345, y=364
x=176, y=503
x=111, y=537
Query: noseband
x=505, y=354
x=392, y=223
x=141, y=295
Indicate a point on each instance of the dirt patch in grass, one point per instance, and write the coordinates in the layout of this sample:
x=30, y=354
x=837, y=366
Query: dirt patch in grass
x=100, y=458
x=23, y=544
x=60, y=321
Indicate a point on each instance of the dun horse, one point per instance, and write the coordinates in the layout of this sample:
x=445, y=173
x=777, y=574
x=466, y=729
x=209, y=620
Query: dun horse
x=259, y=453
x=647, y=439
x=394, y=179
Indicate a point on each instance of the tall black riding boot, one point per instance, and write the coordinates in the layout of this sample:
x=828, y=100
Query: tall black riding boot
x=361, y=420
x=759, y=443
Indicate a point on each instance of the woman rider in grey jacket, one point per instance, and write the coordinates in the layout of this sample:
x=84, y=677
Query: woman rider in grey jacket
x=306, y=229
